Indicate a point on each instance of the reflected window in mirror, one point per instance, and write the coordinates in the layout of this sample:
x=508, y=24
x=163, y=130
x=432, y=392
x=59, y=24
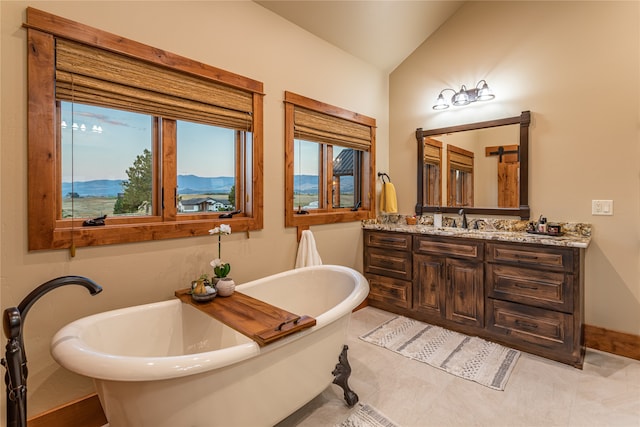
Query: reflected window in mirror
x=460, y=179
x=493, y=188
x=432, y=175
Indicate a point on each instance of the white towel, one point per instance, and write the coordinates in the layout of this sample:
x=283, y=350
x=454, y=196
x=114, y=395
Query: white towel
x=307, y=252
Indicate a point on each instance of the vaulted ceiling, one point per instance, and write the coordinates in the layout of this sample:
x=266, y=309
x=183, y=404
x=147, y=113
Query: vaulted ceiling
x=382, y=33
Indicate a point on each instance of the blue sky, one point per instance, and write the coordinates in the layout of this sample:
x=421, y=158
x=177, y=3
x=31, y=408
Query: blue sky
x=203, y=150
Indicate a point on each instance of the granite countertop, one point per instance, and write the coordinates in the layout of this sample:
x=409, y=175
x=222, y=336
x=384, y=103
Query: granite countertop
x=576, y=235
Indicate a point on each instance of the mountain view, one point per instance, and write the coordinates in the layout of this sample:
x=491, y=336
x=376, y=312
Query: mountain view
x=191, y=184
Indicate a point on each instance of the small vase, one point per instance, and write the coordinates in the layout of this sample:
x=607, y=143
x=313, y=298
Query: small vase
x=199, y=289
x=202, y=292
x=225, y=286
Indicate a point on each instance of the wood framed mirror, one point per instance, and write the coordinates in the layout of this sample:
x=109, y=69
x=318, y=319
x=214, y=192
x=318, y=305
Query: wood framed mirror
x=482, y=167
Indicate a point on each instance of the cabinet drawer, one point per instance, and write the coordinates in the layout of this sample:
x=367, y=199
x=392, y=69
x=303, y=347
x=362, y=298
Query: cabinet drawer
x=543, y=329
x=453, y=247
x=396, y=241
x=545, y=289
x=555, y=258
x=388, y=263
x=389, y=291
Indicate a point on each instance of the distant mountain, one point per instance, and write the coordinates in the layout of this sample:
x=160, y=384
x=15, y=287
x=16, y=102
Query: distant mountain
x=187, y=184
x=96, y=188
x=192, y=184
x=308, y=184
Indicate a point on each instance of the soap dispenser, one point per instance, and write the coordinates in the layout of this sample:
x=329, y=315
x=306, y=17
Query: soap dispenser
x=437, y=219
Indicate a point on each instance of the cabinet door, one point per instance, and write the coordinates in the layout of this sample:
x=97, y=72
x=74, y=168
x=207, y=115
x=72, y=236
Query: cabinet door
x=429, y=296
x=464, y=292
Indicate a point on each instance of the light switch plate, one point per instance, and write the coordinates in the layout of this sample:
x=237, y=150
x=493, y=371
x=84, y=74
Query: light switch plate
x=602, y=207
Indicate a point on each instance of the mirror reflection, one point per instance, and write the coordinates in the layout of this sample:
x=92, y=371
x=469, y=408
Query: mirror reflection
x=481, y=167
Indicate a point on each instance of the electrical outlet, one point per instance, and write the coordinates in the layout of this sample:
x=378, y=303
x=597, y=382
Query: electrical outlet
x=602, y=207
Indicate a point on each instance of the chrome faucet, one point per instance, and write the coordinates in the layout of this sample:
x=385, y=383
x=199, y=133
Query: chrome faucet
x=15, y=360
x=464, y=218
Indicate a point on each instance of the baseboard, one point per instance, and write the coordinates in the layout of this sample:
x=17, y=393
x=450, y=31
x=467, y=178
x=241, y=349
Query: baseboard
x=84, y=412
x=87, y=411
x=620, y=343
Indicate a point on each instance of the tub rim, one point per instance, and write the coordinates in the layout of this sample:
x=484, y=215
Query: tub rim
x=74, y=354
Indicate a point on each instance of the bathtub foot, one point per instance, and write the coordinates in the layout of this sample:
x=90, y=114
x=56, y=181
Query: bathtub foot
x=341, y=374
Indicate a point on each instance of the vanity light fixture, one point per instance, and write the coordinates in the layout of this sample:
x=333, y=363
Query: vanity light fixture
x=465, y=96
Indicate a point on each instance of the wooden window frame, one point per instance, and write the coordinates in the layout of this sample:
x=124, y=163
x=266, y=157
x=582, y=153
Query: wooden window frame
x=432, y=174
x=466, y=186
x=328, y=214
x=46, y=229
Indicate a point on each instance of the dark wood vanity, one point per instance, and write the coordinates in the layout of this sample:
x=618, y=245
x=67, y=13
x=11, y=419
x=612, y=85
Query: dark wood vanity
x=523, y=295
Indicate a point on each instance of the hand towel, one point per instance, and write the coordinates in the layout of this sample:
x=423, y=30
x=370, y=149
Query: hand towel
x=388, y=199
x=307, y=252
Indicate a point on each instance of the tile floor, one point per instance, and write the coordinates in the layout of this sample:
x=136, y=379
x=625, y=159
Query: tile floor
x=539, y=392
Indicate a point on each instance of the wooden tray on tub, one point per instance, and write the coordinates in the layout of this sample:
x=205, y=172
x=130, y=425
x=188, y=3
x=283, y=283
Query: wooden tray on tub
x=258, y=320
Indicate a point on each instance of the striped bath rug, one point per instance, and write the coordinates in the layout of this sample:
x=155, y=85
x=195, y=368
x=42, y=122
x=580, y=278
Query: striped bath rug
x=471, y=358
x=366, y=416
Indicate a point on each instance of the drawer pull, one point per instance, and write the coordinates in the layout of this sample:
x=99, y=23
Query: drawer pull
x=521, y=286
x=525, y=256
x=382, y=240
x=528, y=325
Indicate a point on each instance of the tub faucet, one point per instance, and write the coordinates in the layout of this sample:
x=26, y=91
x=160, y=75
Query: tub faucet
x=15, y=360
x=464, y=218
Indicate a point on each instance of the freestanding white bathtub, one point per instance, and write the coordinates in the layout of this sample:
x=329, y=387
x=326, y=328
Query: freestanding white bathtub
x=168, y=364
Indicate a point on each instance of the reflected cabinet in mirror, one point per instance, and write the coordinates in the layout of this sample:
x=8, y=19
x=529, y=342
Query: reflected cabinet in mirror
x=481, y=167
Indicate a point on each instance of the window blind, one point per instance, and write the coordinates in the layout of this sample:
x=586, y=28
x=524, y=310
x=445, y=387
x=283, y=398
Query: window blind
x=432, y=154
x=318, y=127
x=460, y=161
x=91, y=75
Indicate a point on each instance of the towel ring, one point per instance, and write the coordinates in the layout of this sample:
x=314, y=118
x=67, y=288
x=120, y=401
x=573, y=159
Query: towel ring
x=383, y=175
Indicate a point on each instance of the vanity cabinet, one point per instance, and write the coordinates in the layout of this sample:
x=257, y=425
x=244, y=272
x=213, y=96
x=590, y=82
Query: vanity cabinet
x=523, y=295
x=388, y=268
x=449, y=280
x=535, y=299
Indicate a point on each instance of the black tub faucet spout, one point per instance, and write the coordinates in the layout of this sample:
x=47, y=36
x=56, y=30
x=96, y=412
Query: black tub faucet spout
x=15, y=360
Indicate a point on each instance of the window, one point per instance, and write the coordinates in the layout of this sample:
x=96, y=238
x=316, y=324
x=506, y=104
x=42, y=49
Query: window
x=432, y=176
x=330, y=164
x=160, y=144
x=460, y=180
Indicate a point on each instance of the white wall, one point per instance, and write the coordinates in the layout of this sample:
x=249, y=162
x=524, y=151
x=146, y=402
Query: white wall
x=239, y=36
x=575, y=65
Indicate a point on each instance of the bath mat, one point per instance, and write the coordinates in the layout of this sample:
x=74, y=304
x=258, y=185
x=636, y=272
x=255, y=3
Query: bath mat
x=471, y=358
x=366, y=416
